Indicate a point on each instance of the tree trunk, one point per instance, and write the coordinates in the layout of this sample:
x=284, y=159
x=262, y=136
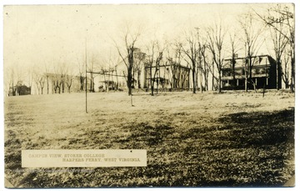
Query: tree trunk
x=233, y=72
x=81, y=78
x=200, y=81
x=62, y=87
x=254, y=86
x=213, y=77
x=277, y=74
x=92, y=88
x=156, y=84
x=292, y=71
x=129, y=69
x=152, y=87
x=194, y=80
x=246, y=83
x=220, y=82
x=286, y=84
x=129, y=79
x=139, y=80
x=47, y=84
x=38, y=88
x=205, y=74
x=151, y=81
x=206, y=81
x=246, y=77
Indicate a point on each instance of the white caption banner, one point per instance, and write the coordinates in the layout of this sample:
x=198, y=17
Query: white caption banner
x=84, y=158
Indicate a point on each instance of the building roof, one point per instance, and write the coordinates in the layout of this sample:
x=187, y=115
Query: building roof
x=258, y=60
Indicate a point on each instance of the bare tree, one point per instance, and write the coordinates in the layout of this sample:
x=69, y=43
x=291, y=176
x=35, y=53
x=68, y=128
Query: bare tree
x=42, y=83
x=153, y=63
x=279, y=44
x=81, y=72
x=251, y=34
x=56, y=82
x=215, y=43
x=281, y=19
x=30, y=78
x=63, y=68
x=128, y=57
x=11, y=80
x=69, y=78
x=192, y=52
x=286, y=67
x=91, y=67
x=39, y=79
x=58, y=78
x=13, y=75
x=175, y=64
x=126, y=53
x=139, y=58
x=46, y=73
x=69, y=82
x=40, y=75
x=233, y=41
x=203, y=65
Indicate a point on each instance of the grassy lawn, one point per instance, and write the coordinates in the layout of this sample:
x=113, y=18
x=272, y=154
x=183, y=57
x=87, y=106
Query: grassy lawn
x=228, y=139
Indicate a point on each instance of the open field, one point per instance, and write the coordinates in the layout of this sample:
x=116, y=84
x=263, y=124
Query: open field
x=228, y=139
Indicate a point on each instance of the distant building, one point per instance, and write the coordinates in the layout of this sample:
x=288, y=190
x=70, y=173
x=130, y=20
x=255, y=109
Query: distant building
x=169, y=76
x=166, y=75
x=19, y=89
x=260, y=74
x=108, y=80
x=51, y=83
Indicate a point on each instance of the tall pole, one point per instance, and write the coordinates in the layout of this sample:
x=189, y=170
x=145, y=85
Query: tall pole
x=85, y=78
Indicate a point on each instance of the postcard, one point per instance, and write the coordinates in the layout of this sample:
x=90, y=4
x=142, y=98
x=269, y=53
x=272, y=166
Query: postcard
x=149, y=95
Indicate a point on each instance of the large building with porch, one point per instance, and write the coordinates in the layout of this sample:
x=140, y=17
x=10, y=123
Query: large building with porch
x=257, y=71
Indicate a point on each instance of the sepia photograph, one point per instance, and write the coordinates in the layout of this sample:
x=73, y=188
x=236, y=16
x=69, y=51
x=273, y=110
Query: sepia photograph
x=149, y=95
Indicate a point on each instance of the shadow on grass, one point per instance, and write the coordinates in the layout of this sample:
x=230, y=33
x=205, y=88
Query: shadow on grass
x=261, y=128
x=240, y=150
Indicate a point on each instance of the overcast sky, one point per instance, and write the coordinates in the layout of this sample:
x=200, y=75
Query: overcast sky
x=51, y=34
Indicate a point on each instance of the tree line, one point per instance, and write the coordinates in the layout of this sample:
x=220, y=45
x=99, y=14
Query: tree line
x=202, y=49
